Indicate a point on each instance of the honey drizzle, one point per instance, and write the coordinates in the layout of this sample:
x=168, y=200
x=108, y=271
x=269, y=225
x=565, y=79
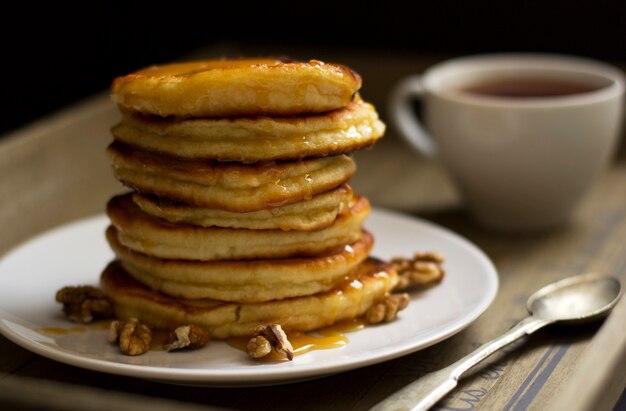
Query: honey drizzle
x=160, y=338
x=100, y=325
x=62, y=331
x=341, y=327
x=96, y=326
x=321, y=339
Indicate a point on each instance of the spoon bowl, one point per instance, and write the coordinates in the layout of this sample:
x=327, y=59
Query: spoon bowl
x=580, y=298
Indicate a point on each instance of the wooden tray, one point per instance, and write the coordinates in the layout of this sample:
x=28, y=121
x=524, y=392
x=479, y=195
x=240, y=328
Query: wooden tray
x=55, y=171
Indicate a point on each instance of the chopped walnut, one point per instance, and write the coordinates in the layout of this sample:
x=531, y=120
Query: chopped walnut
x=187, y=336
x=133, y=337
x=386, y=310
x=85, y=303
x=422, y=270
x=268, y=337
x=258, y=347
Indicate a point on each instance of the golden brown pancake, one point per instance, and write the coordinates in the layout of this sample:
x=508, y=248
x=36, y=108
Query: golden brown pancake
x=368, y=283
x=242, y=281
x=228, y=186
x=306, y=215
x=253, y=139
x=158, y=238
x=236, y=88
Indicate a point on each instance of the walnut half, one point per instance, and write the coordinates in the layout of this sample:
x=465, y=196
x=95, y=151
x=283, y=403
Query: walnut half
x=133, y=337
x=258, y=347
x=268, y=337
x=386, y=310
x=187, y=336
x=422, y=270
x=84, y=303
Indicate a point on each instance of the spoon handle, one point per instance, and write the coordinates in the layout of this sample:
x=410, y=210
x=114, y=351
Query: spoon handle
x=426, y=391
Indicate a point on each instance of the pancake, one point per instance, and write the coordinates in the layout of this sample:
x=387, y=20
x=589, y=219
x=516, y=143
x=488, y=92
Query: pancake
x=227, y=186
x=236, y=88
x=242, y=281
x=306, y=215
x=253, y=139
x=367, y=284
x=158, y=238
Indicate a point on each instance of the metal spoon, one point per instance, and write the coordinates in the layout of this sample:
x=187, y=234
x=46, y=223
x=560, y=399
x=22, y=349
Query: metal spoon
x=572, y=300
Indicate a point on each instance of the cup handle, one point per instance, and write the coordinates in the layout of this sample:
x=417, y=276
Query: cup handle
x=404, y=117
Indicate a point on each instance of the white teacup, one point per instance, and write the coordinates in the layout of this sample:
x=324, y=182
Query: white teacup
x=523, y=135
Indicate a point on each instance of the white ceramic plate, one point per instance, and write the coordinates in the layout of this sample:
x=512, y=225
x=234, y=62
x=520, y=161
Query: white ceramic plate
x=76, y=253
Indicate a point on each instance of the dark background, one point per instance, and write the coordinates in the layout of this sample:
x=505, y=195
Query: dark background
x=53, y=56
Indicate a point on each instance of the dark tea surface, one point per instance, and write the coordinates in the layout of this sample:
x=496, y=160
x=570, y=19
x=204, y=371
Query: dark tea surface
x=528, y=87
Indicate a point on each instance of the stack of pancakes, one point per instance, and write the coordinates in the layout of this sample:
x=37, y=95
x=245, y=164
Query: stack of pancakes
x=240, y=213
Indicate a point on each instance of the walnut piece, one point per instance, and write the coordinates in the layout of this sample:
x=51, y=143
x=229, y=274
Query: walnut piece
x=258, y=347
x=187, y=336
x=268, y=337
x=84, y=303
x=386, y=310
x=422, y=270
x=133, y=337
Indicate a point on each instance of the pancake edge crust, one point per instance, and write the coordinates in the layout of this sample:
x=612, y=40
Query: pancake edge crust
x=242, y=281
x=319, y=212
x=227, y=186
x=158, y=238
x=247, y=140
x=236, y=88
x=372, y=281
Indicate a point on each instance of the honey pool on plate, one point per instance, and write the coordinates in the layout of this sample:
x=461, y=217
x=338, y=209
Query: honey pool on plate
x=322, y=339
